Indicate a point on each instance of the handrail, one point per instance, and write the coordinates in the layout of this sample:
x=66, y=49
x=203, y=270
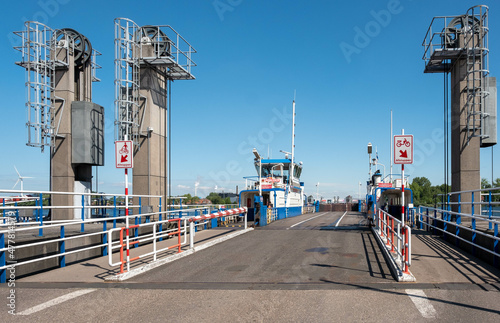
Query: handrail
x=429, y=217
x=470, y=191
x=125, y=246
x=397, y=239
x=107, y=244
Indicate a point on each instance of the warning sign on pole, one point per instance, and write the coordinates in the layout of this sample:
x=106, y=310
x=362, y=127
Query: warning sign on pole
x=403, y=149
x=123, y=154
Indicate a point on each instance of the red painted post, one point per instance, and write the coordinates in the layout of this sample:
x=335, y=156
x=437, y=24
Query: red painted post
x=392, y=235
x=179, y=234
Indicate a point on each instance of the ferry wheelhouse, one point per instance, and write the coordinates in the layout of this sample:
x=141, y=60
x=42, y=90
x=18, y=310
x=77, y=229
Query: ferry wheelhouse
x=277, y=186
x=276, y=192
x=386, y=194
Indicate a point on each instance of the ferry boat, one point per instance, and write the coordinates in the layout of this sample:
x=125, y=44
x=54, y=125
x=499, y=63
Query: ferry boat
x=386, y=194
x=276, y=192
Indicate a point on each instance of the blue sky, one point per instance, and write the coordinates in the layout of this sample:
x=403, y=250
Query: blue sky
x=252, y=56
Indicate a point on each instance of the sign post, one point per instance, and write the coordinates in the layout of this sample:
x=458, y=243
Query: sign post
x=124, y=159
x=403, y=154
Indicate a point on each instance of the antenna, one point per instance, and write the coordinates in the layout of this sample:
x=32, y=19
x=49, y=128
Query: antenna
x=293, y=138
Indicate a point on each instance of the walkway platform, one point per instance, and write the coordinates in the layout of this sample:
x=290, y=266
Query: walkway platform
x=437, y=261
x=98, y=270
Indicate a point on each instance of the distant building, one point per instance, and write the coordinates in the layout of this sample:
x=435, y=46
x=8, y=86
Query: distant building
x=203, y=202
x=348, y=199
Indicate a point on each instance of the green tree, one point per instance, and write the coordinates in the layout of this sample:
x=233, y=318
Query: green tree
x=495, y=193
x=485, y=183
x=188, y=199
x=426, y=194
x=422, y=191
x=215, y=198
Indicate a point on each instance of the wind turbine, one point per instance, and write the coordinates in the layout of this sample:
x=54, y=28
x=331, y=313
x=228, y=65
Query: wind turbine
x=20, y=179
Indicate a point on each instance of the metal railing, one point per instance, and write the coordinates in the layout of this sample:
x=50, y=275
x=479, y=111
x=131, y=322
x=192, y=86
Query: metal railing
x=124, y=245
x=85, y=209
x=13, y=226
x=157, y=235
x=450, y=223
x=396, y=237
x=272, y=214
x=10, y=229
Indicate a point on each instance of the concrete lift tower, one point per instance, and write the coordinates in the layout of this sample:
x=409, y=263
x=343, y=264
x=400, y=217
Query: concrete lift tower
x=458, y=46
x=147, y=59
x=60, y=67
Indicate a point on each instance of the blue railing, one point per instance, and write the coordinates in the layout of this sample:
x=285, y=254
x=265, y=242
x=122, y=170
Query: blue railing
x=476, y=206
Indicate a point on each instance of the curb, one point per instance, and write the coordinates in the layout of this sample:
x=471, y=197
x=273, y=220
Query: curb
x=158, y=263
x=393, y=267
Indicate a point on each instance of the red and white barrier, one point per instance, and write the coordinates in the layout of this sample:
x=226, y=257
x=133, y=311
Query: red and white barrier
x=218, y=214
x=396, y=236
x=194, y=219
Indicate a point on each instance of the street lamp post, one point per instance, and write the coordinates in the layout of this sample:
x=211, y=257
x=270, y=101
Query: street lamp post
x=370, y=158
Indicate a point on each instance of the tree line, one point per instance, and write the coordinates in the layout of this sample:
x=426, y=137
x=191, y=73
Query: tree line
x=213, y=197
x=425, y=194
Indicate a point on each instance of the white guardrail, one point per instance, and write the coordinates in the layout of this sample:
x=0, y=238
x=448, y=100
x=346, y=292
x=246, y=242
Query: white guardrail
x=396, y=237
x=10, y=229
x=181, y=224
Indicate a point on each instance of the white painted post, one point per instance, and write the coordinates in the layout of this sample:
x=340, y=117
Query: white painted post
x=126, y=219
x=154, y=242
x=403, y=190
x=191, y=235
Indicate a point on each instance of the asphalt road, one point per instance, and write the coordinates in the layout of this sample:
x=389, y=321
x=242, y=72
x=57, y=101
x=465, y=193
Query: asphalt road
x=322, y=267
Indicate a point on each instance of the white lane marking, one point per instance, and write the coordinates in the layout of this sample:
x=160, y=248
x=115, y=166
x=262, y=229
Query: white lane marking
x=338, y=221
x=55, y=301
x=421, y=302
x=314, y=217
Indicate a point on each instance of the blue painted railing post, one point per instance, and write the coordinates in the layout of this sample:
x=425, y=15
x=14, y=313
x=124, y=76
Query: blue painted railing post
x=114, y=212
x=434, y=221
x=40, y=231
x=3, y=272
x=105, y=243
x=459, y=220
x=82, y=229
x=490, y=214
x=473, y=226
x=427, y=219
x=419, y=217
x=140, y=210
x=159, y=219
x=447, y=218
x=62, y=249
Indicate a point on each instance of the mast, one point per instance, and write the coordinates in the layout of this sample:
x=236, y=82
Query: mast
x=293, y=141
